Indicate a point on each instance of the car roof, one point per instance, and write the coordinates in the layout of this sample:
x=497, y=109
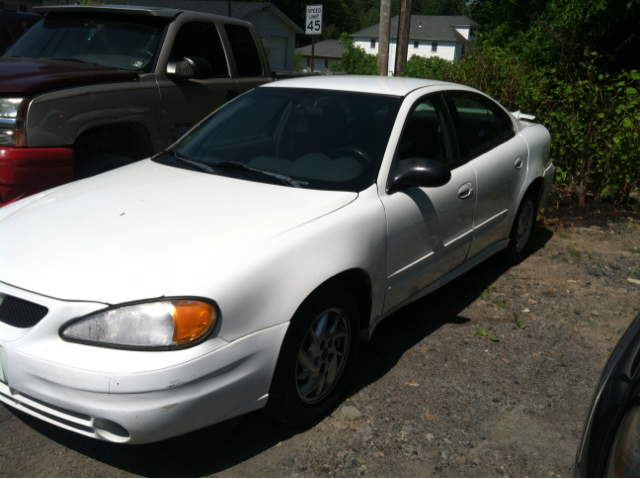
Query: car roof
x=380, y=85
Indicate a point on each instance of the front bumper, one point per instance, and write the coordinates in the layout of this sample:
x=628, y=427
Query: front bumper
x=25, y=171
x=131, y=396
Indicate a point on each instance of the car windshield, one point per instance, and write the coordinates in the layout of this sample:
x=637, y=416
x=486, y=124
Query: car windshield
x=320, y=139
x=126, y=42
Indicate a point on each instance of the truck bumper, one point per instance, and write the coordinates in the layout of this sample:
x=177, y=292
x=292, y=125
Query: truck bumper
x=25, y=171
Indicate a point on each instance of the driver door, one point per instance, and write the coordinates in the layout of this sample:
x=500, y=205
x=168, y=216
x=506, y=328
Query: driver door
x=428, y=229
x=186, y=102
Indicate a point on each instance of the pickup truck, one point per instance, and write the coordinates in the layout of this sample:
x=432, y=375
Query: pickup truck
x=91, y=88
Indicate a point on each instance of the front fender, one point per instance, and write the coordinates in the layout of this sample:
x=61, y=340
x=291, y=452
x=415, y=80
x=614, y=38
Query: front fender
x=266, y=287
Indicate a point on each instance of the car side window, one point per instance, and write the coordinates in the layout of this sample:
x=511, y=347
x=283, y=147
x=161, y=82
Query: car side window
x=245, y=51
x=483, y=123
x=427, y=133
x=201, y=39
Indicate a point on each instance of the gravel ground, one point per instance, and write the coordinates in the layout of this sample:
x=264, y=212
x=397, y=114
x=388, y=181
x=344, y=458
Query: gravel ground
x=431, y=394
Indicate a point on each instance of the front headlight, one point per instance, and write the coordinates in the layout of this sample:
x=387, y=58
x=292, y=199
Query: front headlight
x=624, y=460
x=13, y=113
x=167, y=324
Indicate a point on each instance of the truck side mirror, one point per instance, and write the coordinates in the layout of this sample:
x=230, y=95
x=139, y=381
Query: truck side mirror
x=419, y=172
x=190, y=67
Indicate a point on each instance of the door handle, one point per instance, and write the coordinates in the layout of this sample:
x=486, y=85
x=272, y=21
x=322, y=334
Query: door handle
x=518, y=164
x=231, y=94
x=465, y=191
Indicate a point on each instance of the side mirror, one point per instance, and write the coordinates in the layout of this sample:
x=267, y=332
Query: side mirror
x=419, y=172
x=190, y=67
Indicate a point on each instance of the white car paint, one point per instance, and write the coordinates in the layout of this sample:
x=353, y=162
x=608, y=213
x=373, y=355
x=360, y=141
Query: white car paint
x=258, y=250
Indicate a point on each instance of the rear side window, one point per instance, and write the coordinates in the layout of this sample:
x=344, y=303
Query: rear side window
x=201, y=39
x=244, y=50
x=484, y=124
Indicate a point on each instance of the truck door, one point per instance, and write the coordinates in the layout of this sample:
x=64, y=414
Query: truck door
x=186, y=102
x=248, y=62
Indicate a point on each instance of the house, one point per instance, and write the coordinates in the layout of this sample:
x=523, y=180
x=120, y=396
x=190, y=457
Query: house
x=276, y=29
x=326, y=53
x=444, y=36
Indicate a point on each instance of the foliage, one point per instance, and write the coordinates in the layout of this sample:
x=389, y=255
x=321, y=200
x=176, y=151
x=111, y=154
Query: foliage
x=594, y=118
x=297, y=62
x=91, y=2
x=355, y=60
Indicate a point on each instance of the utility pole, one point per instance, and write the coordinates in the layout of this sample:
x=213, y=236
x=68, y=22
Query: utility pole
x=383, y=45
x=402, y=49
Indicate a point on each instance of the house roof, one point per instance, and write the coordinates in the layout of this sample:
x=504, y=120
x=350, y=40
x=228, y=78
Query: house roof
x=326, y=49
x=424, y=27
x=239, y=10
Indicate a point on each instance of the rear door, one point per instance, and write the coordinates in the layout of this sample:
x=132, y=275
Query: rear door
x=186, y=102
x=245, y=47
x=499, y=158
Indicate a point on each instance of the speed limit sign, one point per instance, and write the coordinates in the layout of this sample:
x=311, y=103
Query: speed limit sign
x=313, y=25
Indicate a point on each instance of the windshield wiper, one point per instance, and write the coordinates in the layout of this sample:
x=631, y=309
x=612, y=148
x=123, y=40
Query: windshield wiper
x=236, y=165
x=241, y=166
x=77, y=60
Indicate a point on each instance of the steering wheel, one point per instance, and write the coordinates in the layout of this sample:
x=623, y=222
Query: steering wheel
x=360, y=156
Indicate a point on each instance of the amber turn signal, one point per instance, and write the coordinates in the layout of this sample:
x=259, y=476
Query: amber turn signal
x=192, y=320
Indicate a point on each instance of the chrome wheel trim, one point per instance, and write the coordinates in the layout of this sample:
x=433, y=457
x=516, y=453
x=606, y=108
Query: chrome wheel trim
x=322, y=355
x=525, y=226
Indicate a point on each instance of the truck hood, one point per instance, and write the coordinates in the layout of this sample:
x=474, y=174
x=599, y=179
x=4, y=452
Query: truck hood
x=141, y=230
x=29, y=76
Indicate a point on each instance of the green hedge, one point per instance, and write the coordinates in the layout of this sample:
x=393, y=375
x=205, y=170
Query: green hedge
x=593, y=117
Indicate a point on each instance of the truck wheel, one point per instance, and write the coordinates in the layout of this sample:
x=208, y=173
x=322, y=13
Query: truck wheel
x=316, y=359
x=97, y=164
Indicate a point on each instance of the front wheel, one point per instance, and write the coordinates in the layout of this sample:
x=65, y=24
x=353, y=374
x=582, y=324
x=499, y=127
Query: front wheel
x=522, y=229
x=316, y=359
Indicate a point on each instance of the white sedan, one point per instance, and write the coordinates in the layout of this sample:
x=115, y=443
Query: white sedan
x=240, y=269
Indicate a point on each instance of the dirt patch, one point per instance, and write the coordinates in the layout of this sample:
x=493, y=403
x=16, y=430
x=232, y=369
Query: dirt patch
x=428, y=396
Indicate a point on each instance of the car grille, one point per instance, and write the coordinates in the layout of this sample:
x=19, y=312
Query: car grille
x=20, y=313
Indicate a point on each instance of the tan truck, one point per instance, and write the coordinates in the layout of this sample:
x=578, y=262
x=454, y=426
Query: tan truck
x=91, y=88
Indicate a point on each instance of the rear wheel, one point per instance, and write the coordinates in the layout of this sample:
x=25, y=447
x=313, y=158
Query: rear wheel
x=316, y=359
x=520, y=237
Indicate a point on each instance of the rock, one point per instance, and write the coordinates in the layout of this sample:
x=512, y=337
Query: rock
x=461, y=459
x=595, y=313
x=289, y=462
x=350, y=413
x=430, y=437
x=526, y=310
x=445, y=454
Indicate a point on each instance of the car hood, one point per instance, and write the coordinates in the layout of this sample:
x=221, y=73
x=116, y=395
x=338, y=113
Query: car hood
x=29, y=76
x=137, y=232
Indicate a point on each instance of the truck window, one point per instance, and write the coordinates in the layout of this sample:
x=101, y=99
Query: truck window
x=244, y=50
x=126, y=42
x=201, y=39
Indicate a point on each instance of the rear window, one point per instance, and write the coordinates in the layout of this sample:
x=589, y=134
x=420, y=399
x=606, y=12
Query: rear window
x=245, y=50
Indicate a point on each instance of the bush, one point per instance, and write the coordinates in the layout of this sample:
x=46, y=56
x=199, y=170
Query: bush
x=355, y=60
x=594, y=119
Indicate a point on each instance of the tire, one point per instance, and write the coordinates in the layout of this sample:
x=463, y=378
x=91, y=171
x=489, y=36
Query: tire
x=94, y=165
x=313, y=368
x=522, y=230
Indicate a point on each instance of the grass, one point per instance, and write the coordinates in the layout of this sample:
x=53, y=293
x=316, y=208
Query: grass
x=486, y=294
x=501, y=303
x=575, y=252
x=563, y=234
x=635, y=250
